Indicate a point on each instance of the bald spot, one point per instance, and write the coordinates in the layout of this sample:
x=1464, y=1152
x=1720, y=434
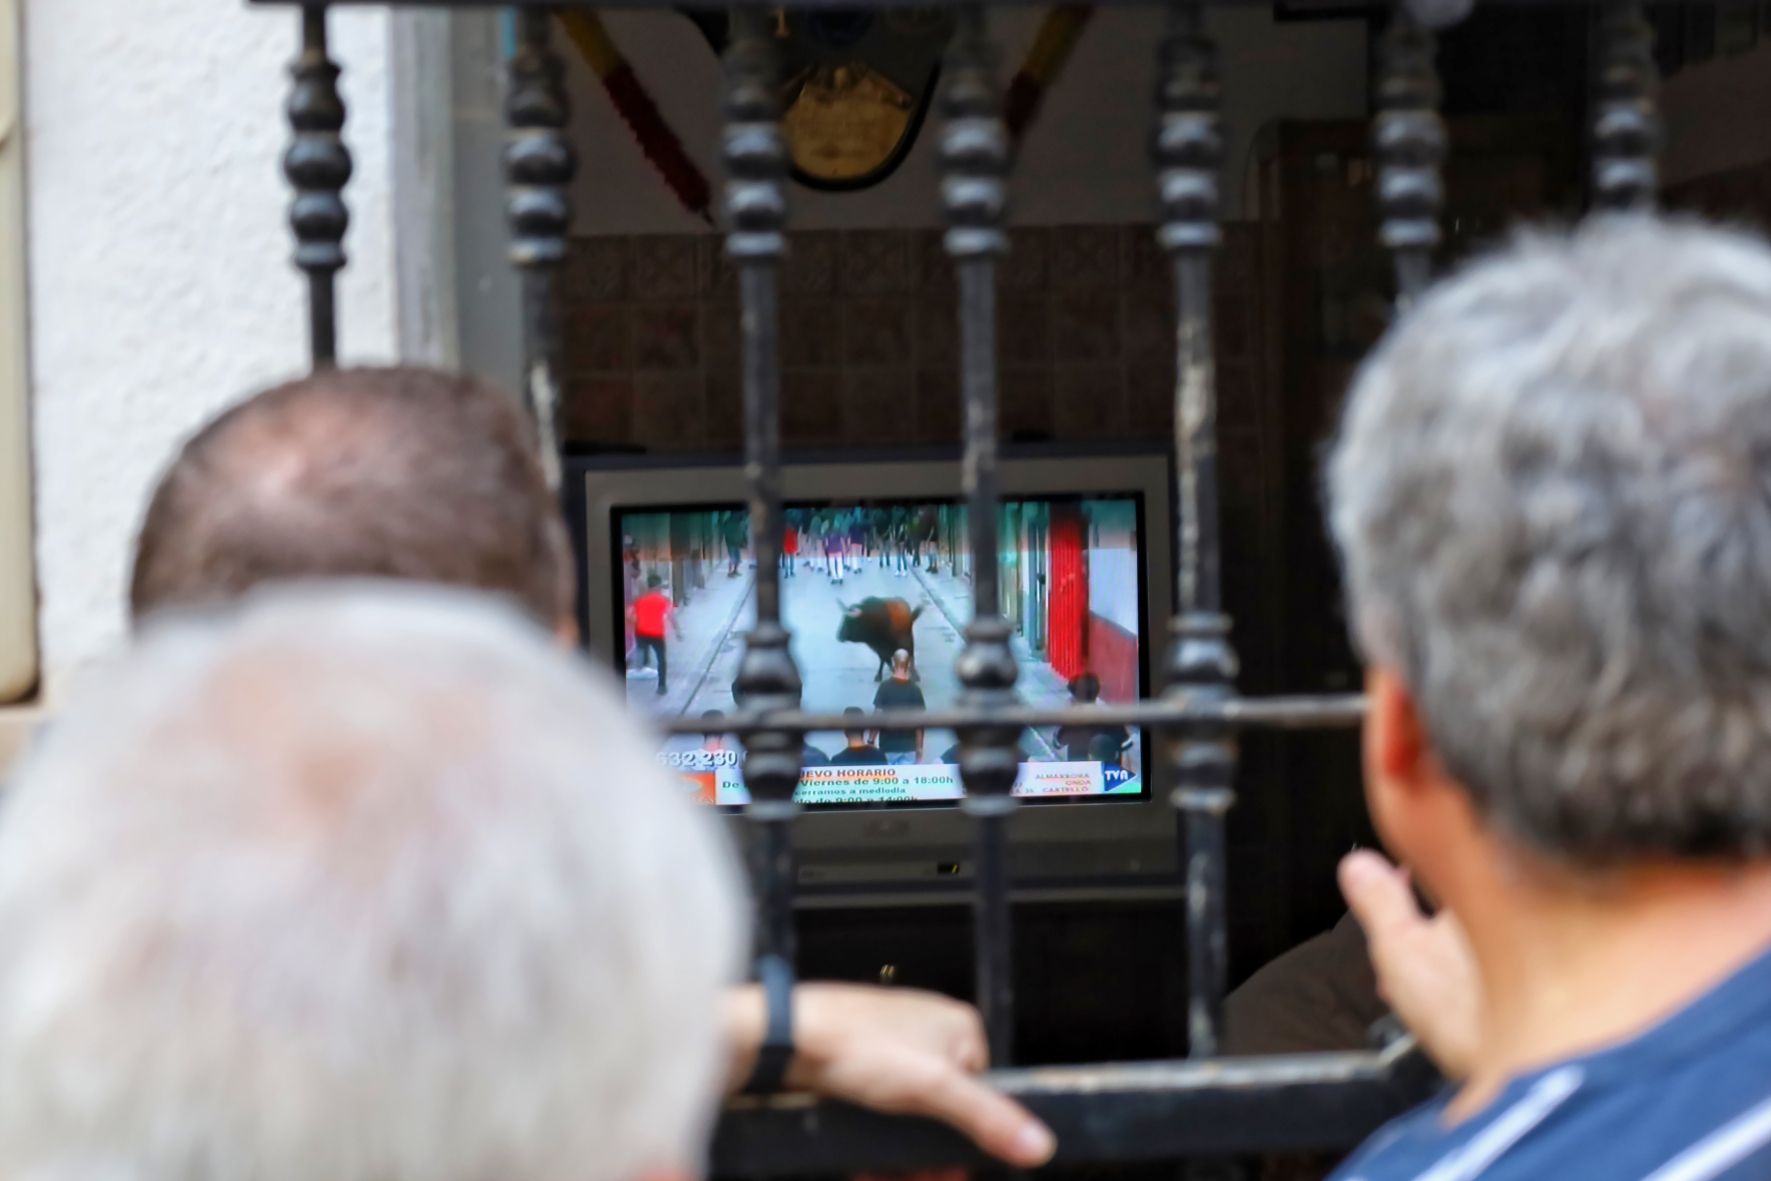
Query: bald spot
x=405, y=474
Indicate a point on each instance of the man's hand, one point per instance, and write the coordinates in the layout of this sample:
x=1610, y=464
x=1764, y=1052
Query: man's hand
x=898, y=1051
x=1425, y=971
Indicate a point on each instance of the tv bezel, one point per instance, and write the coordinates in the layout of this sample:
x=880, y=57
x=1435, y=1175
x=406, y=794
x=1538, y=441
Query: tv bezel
x=912, y=853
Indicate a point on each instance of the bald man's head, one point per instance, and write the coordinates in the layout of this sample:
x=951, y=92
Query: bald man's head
x=402, y=473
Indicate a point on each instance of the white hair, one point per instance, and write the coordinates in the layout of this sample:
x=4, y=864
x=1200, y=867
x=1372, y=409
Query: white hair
x=357, y=883
x=1552, y=494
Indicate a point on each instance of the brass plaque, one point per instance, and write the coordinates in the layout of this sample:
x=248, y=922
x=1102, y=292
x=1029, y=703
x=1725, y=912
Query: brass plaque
x=856, y=85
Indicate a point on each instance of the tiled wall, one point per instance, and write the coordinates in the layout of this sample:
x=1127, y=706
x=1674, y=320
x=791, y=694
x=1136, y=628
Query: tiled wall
x=868, y=344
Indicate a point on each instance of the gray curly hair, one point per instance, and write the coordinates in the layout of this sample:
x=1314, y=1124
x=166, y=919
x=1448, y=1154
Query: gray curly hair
x=1552, y=497
x=359, y=882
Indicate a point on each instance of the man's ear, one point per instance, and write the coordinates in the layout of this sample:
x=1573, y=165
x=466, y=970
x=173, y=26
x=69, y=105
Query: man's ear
x=565, y=630
x=1398, y=763
x=1396, y=747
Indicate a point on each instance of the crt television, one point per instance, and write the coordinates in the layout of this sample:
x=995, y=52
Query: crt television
x=879, y=565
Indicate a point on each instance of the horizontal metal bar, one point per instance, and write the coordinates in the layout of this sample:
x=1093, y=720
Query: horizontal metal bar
x=1373, y=8
x=1122, y=1112
x=1326, y=712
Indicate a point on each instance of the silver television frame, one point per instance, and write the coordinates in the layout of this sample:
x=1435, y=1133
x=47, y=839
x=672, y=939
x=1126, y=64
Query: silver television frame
x=908, y=854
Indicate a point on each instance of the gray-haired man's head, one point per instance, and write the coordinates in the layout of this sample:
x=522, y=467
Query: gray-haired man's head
x=363, y=884
x=1552, y=493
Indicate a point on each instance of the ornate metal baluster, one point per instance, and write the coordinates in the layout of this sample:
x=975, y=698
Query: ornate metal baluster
x=756, y=212
x=1409, y=139
x=974, y=167
x=539, y=164
x=1626, y=128
x=1189, y=152
x=319, y=166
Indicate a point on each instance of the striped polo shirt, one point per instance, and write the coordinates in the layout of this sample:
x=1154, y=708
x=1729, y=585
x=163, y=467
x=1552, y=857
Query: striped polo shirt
x=1689, y=1100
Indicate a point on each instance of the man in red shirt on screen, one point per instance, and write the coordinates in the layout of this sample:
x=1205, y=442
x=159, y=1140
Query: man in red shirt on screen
x=650, y=614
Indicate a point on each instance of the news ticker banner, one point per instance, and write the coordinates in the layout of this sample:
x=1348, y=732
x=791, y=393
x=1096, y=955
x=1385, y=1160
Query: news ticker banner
x=720, y=781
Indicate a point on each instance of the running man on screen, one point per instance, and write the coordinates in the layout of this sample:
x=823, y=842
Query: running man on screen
x=789, y=547
x=833, y=547
x=857, y=540
x=737, y=532
x=899, y=532
x=650, y=614
x=901, y=747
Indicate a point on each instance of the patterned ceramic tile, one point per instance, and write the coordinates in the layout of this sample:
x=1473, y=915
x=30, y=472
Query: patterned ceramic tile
x=934, y=270
x=716, y=273
x=1084, y=256
x=937, y=332
x=1141, y=258
x=725, y=410
x=1023, y=329
x=876, y=262
x=721, y=350
x=877, y=331
x=665, y=266
x=1150, y=398
x=596, y=269
x=1026, y=410
x=1090, y=401
x=597, y=410
x=1029, y=253
x=667, y=337
x=811, y=331
x=811, y=406
x=937, y=406
x=810, y=267
x=668, y=414
x=1147, y=317
x=598, y=339
x=876, y=402
x=1085, y=326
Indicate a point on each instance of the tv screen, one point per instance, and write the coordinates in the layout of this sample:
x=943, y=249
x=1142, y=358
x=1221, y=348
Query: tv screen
x=877, y=595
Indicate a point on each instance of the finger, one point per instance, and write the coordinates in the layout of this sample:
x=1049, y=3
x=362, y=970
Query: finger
x=971, y=1049
x=994, y=1122
x=1378, y=895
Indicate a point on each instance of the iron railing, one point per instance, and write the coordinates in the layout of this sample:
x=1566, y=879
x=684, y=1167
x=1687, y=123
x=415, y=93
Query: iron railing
x=1206, y=1107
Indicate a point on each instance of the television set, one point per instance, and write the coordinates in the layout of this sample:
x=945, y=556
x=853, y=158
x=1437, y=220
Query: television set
x=877, y=590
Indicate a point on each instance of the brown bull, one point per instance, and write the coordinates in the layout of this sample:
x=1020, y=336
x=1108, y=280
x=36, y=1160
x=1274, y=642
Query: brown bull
x=885, y=626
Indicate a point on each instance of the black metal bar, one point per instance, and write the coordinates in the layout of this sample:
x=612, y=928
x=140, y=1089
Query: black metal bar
x=1409, y=139
x=756, y=212
x=1189, y=152
x=1183, y=711
x=1353, y=7
x=539, y=163
x=1119, y=1113
x=1626, y=124
x=318, y=165
x=974, y=167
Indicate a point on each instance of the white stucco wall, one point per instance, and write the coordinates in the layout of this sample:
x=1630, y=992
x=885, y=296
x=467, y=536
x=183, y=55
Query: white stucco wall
x=160, y=286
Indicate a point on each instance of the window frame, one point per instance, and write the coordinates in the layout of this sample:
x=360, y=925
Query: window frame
x=19, y=650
